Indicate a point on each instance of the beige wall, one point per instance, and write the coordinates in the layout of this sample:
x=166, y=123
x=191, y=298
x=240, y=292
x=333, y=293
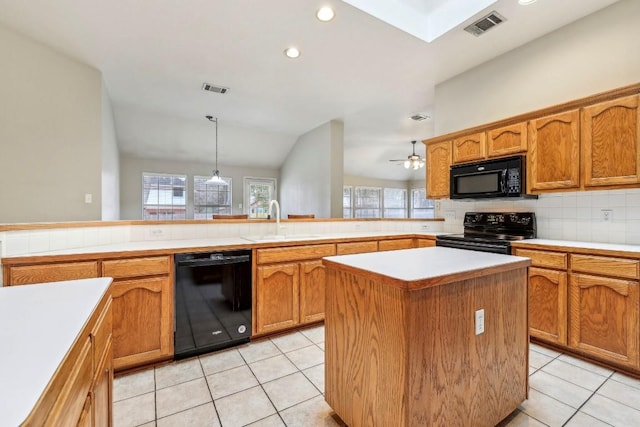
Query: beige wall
x=594, y=54
x=311, y=176
x=50, y=134
x=131, y=169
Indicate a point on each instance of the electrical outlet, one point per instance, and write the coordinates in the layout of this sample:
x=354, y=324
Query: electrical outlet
x=88, y=198
x=449, y=215
x=479, y=321
x=424, y=227
x=606, y=215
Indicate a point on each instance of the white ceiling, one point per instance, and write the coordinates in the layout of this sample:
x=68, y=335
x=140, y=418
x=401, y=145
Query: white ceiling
x=155, y=55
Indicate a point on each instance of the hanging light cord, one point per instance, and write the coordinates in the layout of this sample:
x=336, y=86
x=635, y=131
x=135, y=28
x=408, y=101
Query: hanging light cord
x=215, y=120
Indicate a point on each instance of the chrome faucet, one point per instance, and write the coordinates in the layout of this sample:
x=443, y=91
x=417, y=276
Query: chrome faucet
x=271, y=203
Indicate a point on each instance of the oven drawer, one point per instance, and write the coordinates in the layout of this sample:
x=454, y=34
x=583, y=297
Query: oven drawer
x=608, y=266
x=544, y=258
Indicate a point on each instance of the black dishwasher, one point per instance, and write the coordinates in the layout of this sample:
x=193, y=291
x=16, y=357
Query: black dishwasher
x=212, y=301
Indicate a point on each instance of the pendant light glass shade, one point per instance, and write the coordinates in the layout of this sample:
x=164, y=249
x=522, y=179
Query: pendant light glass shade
x=215, y=176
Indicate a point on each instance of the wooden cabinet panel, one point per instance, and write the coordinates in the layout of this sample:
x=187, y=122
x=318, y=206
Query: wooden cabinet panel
x=86, y=417
x=469, y=148
x=68, y=407
x=426, y=243
x=604, y=318
x=312, y=282
x=356, y=247
x=136, y=267
x=103, y=390
x=277, y=297
x=507, y=140
x=142, y=321
x=23, y=275
x=544, y=258
x=101, y=334
x=438, y=165
x=294, y=253
x=392, y=245
x=609, y=266
x=548, y=305
x=553, y=160
x=611, y=143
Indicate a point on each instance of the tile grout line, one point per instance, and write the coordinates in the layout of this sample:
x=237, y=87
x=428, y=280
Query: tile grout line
x=213, y=402
x=588, y=399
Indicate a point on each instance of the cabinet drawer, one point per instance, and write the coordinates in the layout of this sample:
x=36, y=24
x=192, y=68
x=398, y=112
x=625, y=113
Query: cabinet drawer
x=136, y=267
x=544, y=259
x=23, y=275
x=101, y=333
x=356, y=247
x=294, y=253
x=618, y=267
x=391, y=245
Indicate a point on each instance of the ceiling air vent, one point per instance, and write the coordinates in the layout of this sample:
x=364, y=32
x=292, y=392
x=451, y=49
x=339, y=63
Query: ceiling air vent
x=213, y=88
x=419, y=117
x=485, y=23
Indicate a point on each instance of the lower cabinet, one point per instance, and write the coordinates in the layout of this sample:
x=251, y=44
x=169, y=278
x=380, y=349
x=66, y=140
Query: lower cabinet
x=548, y=305
x=604, y=318
x=395, y=244
x=289, y=287
x=143, y=321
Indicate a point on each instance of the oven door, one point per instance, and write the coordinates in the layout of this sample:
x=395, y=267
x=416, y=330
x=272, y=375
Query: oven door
x=496, y=248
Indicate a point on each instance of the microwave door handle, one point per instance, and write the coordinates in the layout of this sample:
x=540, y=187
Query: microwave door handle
x=503, y=182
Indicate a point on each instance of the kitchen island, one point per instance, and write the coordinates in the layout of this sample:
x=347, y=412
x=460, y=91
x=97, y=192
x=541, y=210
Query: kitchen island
x=402, y=342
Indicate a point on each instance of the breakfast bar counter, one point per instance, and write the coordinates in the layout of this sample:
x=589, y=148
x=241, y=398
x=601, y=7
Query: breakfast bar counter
x=432, y=336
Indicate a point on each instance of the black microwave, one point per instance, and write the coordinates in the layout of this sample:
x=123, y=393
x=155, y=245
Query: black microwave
x=489, y=178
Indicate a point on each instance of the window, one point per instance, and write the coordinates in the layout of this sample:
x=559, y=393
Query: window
x=367, y=203
x=258, y=192
x=347, y=210
x=395, y=203
x=211, y=198
x=163, y=196
x=421, y=207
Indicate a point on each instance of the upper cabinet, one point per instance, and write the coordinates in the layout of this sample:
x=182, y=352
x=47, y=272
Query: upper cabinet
x=470, y=147
x=610, y=143
x=507, y=140
x=553, y=156
x=438, y=164
x=587, y=144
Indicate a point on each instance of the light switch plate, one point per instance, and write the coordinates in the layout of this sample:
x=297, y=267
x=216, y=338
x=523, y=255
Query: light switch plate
x=479, y=321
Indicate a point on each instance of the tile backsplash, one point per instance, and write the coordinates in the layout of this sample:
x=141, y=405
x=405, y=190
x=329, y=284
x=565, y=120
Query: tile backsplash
x=611, y=216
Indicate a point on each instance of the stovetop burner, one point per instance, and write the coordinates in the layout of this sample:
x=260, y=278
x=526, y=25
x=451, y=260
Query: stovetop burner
x=491, y=231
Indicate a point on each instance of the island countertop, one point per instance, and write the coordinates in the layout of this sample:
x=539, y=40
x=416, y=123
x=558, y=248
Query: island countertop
x=39, y=326
x=425, y=267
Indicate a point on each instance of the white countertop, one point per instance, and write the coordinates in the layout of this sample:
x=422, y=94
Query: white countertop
x=582, y=245
x=425, y=263
x=39, y=325
x=213, y=243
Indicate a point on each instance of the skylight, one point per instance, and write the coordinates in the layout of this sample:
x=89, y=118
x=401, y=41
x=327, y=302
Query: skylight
x=425, y=19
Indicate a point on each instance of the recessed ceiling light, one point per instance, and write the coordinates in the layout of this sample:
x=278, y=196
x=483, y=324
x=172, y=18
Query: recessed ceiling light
x=526, y=2
x=325, y=14
x=292, y=52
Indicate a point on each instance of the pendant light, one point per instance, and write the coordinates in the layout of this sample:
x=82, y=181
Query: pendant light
x=215, y=177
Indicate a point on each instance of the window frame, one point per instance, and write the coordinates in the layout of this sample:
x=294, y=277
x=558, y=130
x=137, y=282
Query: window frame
x=413, y=210
x=350, y=207
x=166, y=206
x=212, y=209
x=357, y=210
x=404, y=209
x=247, y=182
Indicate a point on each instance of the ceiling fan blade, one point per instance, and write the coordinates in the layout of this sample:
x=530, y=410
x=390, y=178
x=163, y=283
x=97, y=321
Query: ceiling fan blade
x=398, y=160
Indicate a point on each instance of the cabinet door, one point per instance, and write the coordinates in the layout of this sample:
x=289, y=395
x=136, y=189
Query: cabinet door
x=426, y=243
x=438, y=164
x=27, y=274
x=507, y=140
x=610, y=143
x=103, y=390
x=548, y=305
x=604, y=318
x=277, y=305
x=470, y=147
x=553, y=158
x=142, y=321
x=312, y=278
x=392, y=245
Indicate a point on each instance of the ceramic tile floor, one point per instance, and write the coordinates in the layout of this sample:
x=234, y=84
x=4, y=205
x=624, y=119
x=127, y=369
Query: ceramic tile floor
x=280, y=382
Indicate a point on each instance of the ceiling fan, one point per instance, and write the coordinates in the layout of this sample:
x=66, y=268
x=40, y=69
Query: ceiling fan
x=413, y=161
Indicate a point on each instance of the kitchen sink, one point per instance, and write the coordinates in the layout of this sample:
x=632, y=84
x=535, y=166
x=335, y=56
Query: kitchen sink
x=281, y=237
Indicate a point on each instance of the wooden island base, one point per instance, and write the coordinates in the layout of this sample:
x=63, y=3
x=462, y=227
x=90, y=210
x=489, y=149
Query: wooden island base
x=400, y=357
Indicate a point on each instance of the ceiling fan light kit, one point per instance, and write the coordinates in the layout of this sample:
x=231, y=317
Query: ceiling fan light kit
x=413, y=161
